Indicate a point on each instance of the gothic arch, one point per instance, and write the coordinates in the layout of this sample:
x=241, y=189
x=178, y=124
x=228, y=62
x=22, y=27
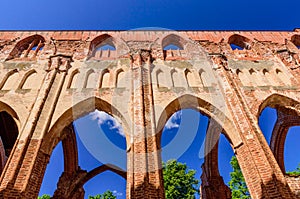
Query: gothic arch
x=102, y=39
x=240, y=41
x=90, y=79
x=9, y=132
x=188, y=101
x=173, y=39
x=121, y=48
x=26, y=77
x=120, y=78
x=6, y=78
x=296, y=40
x=23, y=47
x=219, y=123
x=288, y=115
x=80, y=109
x=72, y=79
x=62, y=130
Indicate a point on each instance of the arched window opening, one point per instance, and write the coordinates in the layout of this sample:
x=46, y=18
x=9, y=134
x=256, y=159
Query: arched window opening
x=238, y=42
x=102, y=46
x=296, y=40
x=281, y=131
x=99, y=144
x=173, y=46
x=183, y=139
x=8, y=136
x=27, y=48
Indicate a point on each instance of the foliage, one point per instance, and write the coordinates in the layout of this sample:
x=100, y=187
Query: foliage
x=237, y=182
x=296, y=172
x=179, y=182
x=45, y=196
x=106, y=195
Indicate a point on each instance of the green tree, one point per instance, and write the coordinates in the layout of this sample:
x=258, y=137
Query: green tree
x=179, y=181
x=237, y=182
x=45, y=196
x=296, y=172
x=106, y=195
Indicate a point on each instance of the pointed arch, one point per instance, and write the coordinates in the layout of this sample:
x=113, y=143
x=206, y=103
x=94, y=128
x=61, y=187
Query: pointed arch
x=188, y=101
x=25, y=47
x=296, y=40
x=159, y=79
x=173, y=39
x=80, y=109
x=73, y=79
x=105, y=79
x=25, y=82
x=90, y=79
x=5, y=83
x=239, y=41
x=190, y=78
x=102, y=46
x=120, y=78
x=287, y=116
x=174, y=77
x=9, y=132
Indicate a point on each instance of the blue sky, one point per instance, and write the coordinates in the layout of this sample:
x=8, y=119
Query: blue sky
x=126, y=15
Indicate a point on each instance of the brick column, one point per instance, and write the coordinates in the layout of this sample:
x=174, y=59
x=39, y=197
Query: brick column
x=260, y=169
x=25, y=168
x=67, y=184
x=145, y=175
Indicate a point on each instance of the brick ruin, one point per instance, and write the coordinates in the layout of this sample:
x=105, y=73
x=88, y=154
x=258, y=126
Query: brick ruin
x=49, y=79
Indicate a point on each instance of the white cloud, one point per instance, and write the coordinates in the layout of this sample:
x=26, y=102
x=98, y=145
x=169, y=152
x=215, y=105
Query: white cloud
x=173, y=120
x=104, y=118
x=116, y=193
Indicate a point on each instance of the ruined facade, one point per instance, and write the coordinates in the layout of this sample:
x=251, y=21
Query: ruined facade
x=49, y=79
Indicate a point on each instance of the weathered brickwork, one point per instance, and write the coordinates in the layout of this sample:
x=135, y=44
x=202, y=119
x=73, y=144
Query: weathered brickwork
x=49, y=79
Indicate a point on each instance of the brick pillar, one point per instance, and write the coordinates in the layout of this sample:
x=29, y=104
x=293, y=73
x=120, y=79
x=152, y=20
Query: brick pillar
x=25, y=169
x=144, y=164
x=260, y=169
x=66, y=186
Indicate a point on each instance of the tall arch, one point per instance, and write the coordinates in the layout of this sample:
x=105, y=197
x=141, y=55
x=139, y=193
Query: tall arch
x=287, y=116
x=213, y=185
x=78, y=110
x=62, y=130
x=9, y=132
x=188, y=101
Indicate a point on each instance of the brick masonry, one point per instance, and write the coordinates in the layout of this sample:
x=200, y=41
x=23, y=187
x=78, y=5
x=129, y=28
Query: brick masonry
x=49, y=79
